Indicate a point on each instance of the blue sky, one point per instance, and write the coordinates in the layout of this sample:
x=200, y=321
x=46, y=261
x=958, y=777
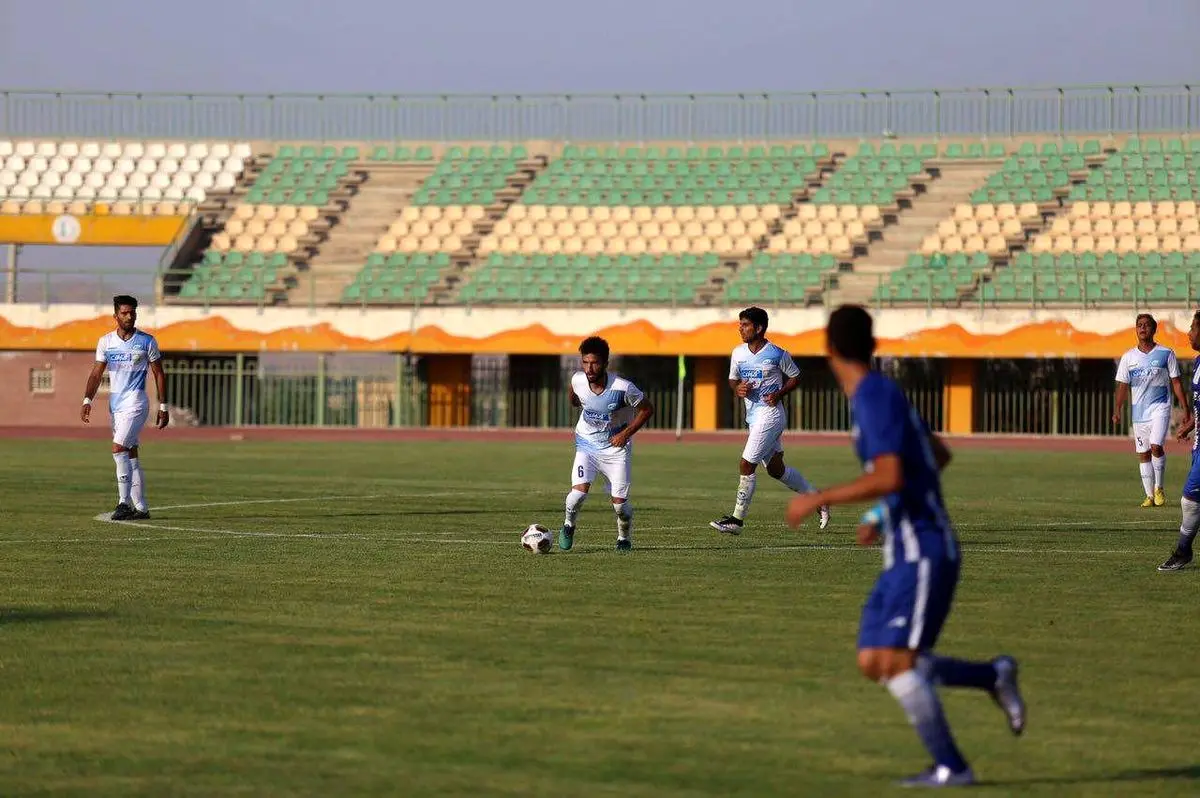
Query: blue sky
x=536, y=46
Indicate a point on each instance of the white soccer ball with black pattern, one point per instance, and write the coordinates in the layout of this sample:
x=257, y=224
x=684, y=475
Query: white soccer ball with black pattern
x=537, y=539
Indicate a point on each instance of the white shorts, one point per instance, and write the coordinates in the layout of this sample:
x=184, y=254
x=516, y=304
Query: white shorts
x=1150, y=433
x=765, y=440
x=127, y=426
x=613, y=463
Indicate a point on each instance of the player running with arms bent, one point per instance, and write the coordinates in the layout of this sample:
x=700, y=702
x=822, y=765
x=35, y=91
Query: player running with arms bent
x=127, y=353
x=1190, y=502
x=761, y=374
x=612, y=410
x=911, y=600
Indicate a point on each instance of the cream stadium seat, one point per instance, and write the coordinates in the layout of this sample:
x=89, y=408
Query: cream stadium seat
x=1186, y=210
x=1171, y=243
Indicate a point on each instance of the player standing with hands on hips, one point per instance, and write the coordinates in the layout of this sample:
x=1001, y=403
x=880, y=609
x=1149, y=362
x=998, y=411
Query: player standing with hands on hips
x=1147, y=370
x=911, y=600
x=128, y=353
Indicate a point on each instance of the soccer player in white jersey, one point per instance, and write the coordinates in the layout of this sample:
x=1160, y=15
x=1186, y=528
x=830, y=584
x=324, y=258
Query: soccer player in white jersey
x=128, y=353
x=1151, y=372
x=612, y=410
x=762, y=374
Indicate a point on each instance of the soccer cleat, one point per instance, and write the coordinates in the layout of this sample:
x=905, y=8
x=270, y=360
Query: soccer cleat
x=566, y=537
x=1159, y=498
x=823, y=516
x=940, y=776
x=727, y=525
x=123, y=512
x=1149, y=502
x=1007, y=695
x=140, y=515
x=1177, y=560
x=624, y=544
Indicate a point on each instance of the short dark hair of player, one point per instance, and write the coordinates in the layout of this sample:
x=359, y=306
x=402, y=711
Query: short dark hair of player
x=594, y=345
x=756, y=316
x=850, y=333
x=121, y=300
x=1148, y=317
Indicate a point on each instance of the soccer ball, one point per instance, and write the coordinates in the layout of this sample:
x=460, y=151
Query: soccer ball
x=537, y=539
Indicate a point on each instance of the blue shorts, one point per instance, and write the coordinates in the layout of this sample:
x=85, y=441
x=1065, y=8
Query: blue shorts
x=1191, y=487
x=909, y=605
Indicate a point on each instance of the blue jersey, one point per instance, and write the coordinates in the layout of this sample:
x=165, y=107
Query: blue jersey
x=127, y=363
x=915, y=524
x=603, y=414
x=1195, y=403
x=765, y=371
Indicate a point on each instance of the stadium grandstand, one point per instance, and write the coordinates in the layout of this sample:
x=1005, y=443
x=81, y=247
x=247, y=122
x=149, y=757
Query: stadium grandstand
x=977, y=205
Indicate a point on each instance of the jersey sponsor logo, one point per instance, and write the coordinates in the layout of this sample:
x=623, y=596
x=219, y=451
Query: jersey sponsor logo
x=120, y=357
x=593, y=417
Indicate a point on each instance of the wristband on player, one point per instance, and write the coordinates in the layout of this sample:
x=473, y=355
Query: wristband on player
x=162, y=407
x=874, y=516
x=87, y=401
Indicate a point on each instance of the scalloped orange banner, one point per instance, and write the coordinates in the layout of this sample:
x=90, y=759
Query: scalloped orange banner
x=217, y=334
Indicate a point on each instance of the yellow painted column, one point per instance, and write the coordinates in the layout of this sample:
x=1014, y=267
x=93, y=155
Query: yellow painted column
x=959, y=397
x=449, y=378
x=706, y=387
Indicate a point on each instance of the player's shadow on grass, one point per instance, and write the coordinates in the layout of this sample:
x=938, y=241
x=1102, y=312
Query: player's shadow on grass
x=10, y=615
x=1183, y=773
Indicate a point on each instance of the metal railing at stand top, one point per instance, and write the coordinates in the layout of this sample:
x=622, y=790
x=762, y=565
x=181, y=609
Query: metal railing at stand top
x=995, y=112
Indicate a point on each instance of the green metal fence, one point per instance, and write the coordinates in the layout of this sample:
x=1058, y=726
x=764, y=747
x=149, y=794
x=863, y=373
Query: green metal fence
x=1047, y=397
x=391, y=390
x=299, y=390
x=985, y=112
x=818, y=404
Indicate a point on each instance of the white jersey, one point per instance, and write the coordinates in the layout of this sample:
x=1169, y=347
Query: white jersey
x=1149, y=376
x=605, y=414
x=127, y=363
x=766, y=371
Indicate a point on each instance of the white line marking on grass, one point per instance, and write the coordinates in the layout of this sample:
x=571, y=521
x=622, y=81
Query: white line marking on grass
x=266, y=501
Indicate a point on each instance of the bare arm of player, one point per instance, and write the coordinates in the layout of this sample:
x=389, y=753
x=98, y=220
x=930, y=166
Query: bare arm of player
x=740, y=388
x=644, y=411
x=160, y=385
x=1181, y=398
x=789, y=385
x=1186, y=428
x=89, y=391
x=886, y=476
x=941, y=452
x=1122, y=395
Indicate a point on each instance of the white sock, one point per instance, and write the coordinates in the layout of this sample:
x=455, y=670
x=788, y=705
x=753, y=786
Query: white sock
x=624, y=513
x=123, y=476
x=1160, y=469
x=796, y=481
x=744, y=494
x=574, y=501
x=1147, y=470
x=137, y=486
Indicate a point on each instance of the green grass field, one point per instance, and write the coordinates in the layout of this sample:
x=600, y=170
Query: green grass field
x=396, y=639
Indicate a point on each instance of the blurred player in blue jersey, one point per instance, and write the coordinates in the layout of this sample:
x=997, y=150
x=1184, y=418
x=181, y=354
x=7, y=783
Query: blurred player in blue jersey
x=1190, y=503
x=911, y=599
x=761, y=374
x=1150, y=372
x=612, y=409
x=129, y=354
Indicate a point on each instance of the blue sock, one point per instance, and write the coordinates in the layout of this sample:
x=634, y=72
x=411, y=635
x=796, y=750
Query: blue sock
x=957, y=672
x=920, y=703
